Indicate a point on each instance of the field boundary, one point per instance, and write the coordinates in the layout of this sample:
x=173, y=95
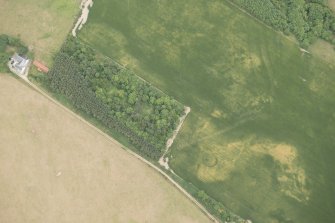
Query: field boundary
x=261, y=22
x=277, y=31
x=115, y=142
x=182, y=118
x=133, y=72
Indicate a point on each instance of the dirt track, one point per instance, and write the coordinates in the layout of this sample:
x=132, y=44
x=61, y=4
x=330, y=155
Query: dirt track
x=85, y=5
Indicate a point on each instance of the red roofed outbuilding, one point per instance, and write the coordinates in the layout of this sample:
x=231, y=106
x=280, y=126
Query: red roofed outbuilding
x=41, y=67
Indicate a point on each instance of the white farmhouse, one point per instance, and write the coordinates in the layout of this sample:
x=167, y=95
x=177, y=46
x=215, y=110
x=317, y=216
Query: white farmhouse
x=19, y=64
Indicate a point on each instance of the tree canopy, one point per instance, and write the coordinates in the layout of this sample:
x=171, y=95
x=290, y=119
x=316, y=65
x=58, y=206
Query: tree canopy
x=307, y=20
x=115, y=96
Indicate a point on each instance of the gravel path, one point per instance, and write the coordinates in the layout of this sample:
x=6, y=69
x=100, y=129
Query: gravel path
x=85, y=5
x=165, y=161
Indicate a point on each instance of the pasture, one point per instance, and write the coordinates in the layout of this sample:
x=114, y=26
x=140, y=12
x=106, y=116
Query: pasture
x=260, y=136
x=41, y=24
x=55, y=168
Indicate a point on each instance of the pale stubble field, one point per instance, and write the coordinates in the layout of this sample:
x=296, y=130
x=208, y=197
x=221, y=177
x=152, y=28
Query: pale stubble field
x=54, y=168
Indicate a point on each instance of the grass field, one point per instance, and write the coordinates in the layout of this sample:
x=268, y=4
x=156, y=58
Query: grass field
x=260, y=137
x=54, y=168
x=41, y=24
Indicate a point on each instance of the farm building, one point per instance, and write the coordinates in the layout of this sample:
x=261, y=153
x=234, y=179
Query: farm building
x=19, y=64
x=40, y=66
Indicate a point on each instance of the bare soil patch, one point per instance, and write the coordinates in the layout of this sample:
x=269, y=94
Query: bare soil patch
x=331, y=4
x=220, y=162
x=54, y=168
x=291, y=176
x=324, y=50
x=284, y=153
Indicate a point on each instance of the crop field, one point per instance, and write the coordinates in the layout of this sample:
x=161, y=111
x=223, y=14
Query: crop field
x=260, y=137
x=41, y=24
x=54, y=168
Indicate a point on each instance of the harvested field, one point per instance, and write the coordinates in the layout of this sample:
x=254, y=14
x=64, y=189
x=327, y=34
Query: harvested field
x=54, y=168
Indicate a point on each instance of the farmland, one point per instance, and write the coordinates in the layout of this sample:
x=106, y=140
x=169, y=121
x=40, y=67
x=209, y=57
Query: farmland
x=260, y=137
x=55, y=168
x=42, y=25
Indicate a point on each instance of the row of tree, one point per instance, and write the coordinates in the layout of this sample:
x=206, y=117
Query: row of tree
x=217, y=208
x=306, y=19
x=115, y=96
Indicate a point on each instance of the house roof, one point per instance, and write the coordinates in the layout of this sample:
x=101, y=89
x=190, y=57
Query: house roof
x=17, y=58
x=20, y=62
x=22, y=65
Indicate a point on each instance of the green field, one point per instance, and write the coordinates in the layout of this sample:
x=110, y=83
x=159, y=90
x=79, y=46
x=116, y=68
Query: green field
x=260, y=137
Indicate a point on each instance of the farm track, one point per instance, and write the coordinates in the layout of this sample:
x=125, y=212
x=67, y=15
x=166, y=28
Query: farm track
x=113, y=141
x=85, y=9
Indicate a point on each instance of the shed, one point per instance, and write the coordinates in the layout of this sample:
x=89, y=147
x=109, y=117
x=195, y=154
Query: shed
x=40, y=66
